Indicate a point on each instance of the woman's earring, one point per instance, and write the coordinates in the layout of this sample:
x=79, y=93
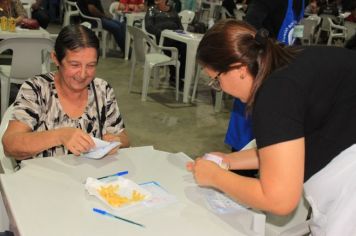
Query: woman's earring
x=242, y=77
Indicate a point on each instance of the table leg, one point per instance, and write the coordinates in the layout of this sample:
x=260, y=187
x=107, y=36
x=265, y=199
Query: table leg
x=189, y=70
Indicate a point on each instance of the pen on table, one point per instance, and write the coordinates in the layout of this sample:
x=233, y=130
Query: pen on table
x=121, y=173
x=102, y=212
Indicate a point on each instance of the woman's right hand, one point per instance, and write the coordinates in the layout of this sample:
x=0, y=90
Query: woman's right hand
x=75, y=140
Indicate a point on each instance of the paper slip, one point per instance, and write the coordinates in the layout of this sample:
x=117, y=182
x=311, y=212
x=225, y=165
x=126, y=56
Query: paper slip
x=219, y=202
x=101, y=148
x=218, y=160
x=160, y=197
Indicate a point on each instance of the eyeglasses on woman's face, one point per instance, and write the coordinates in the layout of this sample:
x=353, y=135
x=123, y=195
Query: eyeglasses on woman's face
x=215, y=82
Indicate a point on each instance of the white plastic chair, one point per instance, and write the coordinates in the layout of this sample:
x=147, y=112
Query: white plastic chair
x=309, y=28
x=324, y=26
x=27, y=6
x=7, y=163
x=112, y=9
x=70, y=10
x=336, y=31
x=152, y=59
x=98, y=29
x=186, y=17
x=30, y=56
x=351, y=29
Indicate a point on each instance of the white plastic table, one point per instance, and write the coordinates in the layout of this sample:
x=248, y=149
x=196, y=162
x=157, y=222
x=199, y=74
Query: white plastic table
x=47, y=197
x=192, y=41
x=25, y=33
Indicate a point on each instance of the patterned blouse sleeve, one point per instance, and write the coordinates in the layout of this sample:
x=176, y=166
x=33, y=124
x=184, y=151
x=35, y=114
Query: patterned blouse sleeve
x=113, y=121
x=27, y=108
x=19, y=9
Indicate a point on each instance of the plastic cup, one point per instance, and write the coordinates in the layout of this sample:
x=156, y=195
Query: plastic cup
x=3, y=23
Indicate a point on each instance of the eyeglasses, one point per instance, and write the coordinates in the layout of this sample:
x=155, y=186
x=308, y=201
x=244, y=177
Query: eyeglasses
x=215, y=82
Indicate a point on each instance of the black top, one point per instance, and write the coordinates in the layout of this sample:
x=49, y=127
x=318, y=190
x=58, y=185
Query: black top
x=83, y=5
x=269, y=14
x=314, y=97
x=157, y=20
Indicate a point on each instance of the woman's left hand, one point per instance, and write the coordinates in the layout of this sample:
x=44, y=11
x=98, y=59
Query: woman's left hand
x=204, y=171
x=112, y=138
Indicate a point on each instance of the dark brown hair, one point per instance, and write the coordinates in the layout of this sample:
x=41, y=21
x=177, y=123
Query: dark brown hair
x=73, y=37
x=231, y=41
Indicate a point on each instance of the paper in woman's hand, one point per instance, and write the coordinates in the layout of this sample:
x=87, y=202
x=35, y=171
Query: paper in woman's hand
x=101, y=148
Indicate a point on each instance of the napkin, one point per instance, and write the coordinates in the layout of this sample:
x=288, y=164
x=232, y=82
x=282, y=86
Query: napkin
x=122, y=187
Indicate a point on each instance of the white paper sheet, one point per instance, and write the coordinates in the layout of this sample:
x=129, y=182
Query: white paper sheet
x=101, y=148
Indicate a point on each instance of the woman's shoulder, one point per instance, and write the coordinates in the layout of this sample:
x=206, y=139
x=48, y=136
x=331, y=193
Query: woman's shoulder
x=42, y=79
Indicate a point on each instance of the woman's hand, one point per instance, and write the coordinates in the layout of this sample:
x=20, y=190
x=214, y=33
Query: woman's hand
x=75, y=140
x=111, y=138
x=204, y=171
x=226, y=158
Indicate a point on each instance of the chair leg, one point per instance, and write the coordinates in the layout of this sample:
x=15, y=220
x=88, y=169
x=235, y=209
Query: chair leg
x=177, y=80
x=145, y=82
x=132, y=74
x=196, y=80
x=156, y=78
x=103, y=39
x=218, y=101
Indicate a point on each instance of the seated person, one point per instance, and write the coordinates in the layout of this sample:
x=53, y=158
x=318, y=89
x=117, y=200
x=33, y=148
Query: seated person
x=160, y=17
x=57, y=113
x=312, y=8
x=13, y=8
x=95, y=9
x=230, y=6
x=352, y=16
x=39, y=14
x=131, y=5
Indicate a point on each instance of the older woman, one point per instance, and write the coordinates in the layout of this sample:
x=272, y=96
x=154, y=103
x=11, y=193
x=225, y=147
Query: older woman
x=303, y=107
x=58, y=113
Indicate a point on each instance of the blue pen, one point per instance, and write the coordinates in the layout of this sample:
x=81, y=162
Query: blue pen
x=114, y=216
x=116, y=174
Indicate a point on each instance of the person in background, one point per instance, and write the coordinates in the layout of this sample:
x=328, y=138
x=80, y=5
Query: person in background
x=303, y=117
x=352, y=16
x=230, y=6
x=13, y=8
x=160, y=17
x=59, y=112
x=116, y=28
x=131, y=5
x=312, y=8
x=39, y=14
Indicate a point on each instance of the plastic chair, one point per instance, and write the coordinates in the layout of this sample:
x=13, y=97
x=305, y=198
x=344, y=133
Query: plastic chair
x=308, y=30
x=336, y=31
x=112, y=9
x=98, y=29
x=7, y=163
x=351, y=29
x=70, y=10
x=186, y=17
x=324, y=26
x=28, y=59
x=27, y=6
x=151, y=58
